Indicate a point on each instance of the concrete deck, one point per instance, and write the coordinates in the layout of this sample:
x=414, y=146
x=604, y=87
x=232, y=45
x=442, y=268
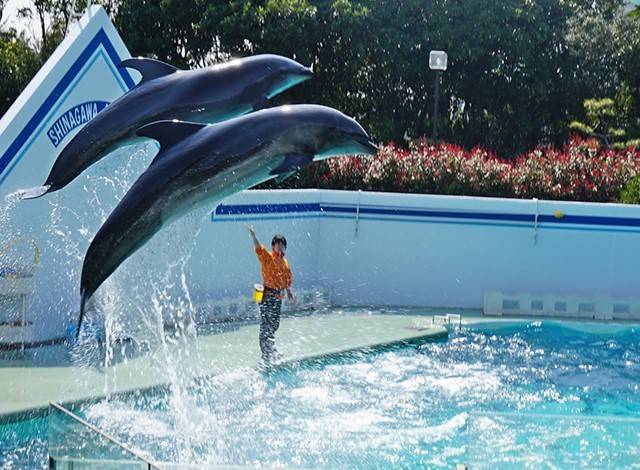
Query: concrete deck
x=30, y=389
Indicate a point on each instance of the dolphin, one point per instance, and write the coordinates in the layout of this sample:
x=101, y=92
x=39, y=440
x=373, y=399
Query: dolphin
x=200, y=164
x=210, y=94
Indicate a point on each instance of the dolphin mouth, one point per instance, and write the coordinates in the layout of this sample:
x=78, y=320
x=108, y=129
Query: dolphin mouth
x=302, y=75
x=371, y=148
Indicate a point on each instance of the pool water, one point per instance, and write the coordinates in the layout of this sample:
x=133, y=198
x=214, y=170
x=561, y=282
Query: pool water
x=495, y=395
x=544, y=394
x=23, y=444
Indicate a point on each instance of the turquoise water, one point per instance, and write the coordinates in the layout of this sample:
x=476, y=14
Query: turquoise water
x=533, y=394
x=23, y=445
x=538, y=394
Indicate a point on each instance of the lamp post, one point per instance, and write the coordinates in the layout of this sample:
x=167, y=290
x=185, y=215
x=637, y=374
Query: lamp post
x=437, y=62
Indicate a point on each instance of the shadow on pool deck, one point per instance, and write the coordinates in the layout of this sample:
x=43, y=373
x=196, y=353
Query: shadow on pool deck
x=29, y=390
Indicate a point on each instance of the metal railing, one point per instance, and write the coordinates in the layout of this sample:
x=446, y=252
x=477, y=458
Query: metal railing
x=76, y=444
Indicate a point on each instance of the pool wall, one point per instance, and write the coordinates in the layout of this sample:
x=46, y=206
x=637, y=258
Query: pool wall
x=391, y=249
x=425, y=250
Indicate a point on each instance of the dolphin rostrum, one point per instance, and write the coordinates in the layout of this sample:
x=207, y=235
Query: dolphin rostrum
x=202, y=164
x=210, y=94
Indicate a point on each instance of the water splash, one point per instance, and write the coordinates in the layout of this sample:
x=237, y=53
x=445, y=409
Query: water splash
x=144, y=308
x=17, y=257
x=8, y=229
x=146, y=305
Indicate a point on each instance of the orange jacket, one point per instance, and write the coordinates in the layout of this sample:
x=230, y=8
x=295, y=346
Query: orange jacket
x=276, y=273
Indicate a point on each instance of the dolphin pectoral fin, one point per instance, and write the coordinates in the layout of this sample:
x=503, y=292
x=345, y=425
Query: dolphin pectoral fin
x=292, y=162
x=32, y=193
x=148, y=68
x=169, y=133
x=262, y=104
x=280, y=178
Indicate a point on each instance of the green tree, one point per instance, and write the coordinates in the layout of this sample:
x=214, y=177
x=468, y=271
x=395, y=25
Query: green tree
x=169, y=30
x=53, y=18
x=18, y=63
x=630, y=194
x=601, y=121
x=518, y=70
x=505, y=88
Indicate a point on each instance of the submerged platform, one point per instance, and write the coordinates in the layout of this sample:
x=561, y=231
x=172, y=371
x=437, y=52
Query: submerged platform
x=31, y=389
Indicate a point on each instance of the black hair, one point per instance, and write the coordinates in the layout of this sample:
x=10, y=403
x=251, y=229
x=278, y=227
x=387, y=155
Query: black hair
x=279, y=238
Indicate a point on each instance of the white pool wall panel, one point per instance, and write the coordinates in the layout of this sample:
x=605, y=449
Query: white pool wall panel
x=224, y=263
x=447, y=251
x=442, y=254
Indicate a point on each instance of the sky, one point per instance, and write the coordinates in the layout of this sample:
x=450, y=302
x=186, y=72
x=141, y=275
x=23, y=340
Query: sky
x=10, y=19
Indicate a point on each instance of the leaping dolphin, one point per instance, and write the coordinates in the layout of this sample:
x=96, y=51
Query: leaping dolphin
x=201, y=164
x=211, y=94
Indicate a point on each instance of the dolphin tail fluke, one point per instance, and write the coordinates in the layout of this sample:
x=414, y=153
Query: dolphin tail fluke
x=83, y=300
x=33, y=193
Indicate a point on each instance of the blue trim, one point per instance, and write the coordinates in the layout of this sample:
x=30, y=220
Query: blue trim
x=567, y=222
x=37, y=119
x=251, y=209
x=428, y=221
x=432, y=213
x=511, y=217
x=99, y=54
x=486, y=224
x=272, y=217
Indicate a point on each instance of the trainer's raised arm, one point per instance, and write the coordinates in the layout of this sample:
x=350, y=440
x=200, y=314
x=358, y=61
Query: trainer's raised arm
x=252, y=232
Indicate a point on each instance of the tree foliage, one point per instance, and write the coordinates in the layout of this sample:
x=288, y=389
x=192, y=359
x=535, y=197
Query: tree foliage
x=602, y=121
x=519, y=70
x=21, y=57
x=18, y=63
x=630, y=194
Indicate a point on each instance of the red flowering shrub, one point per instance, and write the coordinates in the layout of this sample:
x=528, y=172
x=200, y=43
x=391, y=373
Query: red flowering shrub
x=581, y=171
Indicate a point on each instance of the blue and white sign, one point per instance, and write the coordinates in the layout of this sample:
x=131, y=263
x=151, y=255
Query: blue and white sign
x=88, y=56
x=76, y=116
x=77, y=82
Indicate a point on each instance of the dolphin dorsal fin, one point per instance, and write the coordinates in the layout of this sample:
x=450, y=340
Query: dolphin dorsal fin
x=169, y=133
x=148, y=68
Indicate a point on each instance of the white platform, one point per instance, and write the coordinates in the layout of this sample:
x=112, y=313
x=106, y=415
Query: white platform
x=596, y=307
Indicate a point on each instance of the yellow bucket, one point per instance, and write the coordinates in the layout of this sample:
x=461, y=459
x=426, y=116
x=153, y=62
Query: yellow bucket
x=258, y=292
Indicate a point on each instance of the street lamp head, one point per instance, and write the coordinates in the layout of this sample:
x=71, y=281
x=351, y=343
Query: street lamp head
x=438, y=60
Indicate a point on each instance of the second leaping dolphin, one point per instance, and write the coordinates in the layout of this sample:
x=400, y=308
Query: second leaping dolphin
x=202, y=164
x=211, y=94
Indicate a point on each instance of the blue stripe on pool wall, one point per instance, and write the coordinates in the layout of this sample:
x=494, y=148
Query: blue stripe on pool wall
x=100, y=38
x=252, y=209
x=320, y=209
x=432, y=213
